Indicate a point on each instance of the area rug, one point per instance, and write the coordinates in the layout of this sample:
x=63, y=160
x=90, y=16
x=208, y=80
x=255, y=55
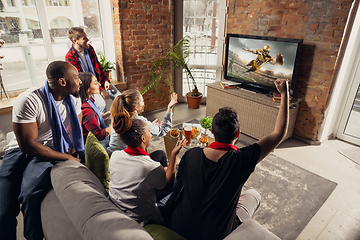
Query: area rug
x=291, y=195
x=352, y=153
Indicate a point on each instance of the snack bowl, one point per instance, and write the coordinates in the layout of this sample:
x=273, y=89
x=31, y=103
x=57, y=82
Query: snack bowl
x=195, y=132
x=174, y=133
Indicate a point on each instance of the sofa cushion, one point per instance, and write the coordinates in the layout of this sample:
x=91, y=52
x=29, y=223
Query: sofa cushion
x=85, y=201
x=251, y=230
x=52, y=213
x=159, y=232
x=97, y=159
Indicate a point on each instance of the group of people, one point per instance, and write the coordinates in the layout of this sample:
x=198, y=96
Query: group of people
x=51, y=123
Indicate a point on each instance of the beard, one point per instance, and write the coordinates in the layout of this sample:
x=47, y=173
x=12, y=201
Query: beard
x=86, y=46
x=76, y=94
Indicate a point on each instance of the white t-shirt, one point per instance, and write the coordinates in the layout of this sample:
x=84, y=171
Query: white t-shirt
x=30, y=106
x=133, y=184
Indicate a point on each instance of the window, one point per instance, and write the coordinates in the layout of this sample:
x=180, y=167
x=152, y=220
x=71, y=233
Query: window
x=204, y=22
x=55, y=23
x=30, y=45
x=3, y=25
x=10, y=3
x=55, y=3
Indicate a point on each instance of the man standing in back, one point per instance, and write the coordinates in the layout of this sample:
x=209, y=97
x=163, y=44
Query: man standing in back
x=47, y=130
x=83, y=57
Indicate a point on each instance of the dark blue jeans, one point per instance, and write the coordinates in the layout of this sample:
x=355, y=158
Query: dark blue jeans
x=24, y=180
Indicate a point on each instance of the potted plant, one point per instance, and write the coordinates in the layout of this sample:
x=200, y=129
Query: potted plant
x=107, y=66
x=206, y=123
x=176, y=58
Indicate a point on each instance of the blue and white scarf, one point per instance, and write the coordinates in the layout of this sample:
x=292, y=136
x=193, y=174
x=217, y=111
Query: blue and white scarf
x=88, y=61
x=61, y=139
x=99, y=116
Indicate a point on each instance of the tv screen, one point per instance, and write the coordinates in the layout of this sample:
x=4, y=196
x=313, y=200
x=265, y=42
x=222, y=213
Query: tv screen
x=257, y=61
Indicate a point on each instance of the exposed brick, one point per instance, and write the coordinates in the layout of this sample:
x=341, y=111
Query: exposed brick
x=318, y=12
x=320, y=24
x=327, y=33
x=313, y=26
x=293, y=17
x=340, y=13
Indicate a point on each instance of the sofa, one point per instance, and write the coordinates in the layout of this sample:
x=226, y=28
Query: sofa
x=78, y=208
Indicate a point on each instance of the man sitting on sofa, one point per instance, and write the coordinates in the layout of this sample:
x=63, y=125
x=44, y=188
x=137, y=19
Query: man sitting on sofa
x=47, y=129
x=210, y=205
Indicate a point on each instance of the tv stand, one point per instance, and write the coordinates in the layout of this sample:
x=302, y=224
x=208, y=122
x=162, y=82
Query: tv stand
x=257, y=112
x=253, y=89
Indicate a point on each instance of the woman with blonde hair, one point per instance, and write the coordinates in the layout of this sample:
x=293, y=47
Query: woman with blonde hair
x=132, y=104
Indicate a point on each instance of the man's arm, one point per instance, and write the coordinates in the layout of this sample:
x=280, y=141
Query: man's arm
x=71, y=57
x=26, y=135
x=268, y=143
x=98, y=69
x=272, y=61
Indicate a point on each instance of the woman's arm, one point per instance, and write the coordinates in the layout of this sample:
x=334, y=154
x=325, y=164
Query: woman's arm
x=90, y=122
x=170, y=171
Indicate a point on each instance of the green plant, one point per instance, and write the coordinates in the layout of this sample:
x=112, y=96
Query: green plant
x=176, y=58
x=106, y=65
x=206, y=122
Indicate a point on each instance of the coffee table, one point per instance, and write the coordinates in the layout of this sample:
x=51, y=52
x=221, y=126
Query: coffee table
x=170, y=142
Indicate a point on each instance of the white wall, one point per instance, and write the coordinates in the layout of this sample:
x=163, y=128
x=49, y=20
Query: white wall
x=343, y=82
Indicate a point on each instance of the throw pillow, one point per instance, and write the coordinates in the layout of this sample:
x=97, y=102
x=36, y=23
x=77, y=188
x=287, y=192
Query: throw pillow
x=159, y=232
x=97, y=159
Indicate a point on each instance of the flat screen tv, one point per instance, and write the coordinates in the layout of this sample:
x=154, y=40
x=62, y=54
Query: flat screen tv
x=253, y=61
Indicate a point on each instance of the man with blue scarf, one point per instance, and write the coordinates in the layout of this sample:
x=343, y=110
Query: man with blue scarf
x=47, y=130
x=82, y=55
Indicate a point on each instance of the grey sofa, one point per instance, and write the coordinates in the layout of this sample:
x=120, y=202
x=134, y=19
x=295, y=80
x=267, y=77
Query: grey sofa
x=78, y=208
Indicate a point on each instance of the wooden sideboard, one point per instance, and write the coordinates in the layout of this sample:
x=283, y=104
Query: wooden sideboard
x=257, y=112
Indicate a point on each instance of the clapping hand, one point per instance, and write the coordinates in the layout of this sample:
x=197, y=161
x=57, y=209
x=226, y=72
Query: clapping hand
x=173, y=101
x=107, y=85
x=179, y=145
x=104, y=94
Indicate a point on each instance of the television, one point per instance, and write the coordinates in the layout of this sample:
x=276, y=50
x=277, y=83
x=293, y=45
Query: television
x=251, y=61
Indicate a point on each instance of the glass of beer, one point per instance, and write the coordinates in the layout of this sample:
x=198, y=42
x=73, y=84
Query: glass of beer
x=187, y=133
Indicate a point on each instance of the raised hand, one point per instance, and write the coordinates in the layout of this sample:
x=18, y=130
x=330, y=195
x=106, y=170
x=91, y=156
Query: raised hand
x=157, y=123
x=282, y=85
x=173, y=101
x=105, y=94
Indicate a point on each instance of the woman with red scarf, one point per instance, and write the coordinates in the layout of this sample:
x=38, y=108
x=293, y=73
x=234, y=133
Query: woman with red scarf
x=136, y=178
x=210, y=204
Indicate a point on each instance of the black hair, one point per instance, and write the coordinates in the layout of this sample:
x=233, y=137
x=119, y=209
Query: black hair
x=130, y=130
x=86, y=78
x=56, y=70
x=225, y=125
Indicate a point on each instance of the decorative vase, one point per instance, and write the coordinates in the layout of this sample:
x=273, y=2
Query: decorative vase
x=107, y=74
x=193, y=102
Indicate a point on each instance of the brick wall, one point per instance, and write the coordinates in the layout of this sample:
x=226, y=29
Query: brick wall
x=321, y=25
x=144, y=32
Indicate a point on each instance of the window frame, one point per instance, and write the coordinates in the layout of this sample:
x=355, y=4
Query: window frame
x=218, y=67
